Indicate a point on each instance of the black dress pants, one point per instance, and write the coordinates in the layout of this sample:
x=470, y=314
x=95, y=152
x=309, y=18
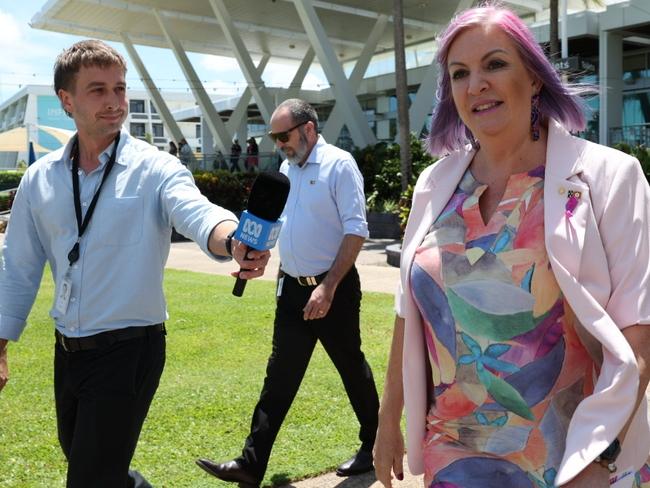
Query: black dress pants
x=102, y=398
x=294, y=340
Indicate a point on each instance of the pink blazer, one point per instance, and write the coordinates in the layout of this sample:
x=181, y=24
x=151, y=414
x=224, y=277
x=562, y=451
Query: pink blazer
x=600, y=257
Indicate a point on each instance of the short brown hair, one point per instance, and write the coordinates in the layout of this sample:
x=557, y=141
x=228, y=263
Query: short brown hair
x=83, y=53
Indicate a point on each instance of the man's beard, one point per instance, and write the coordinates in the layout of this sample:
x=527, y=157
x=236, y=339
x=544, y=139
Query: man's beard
x=300, y=153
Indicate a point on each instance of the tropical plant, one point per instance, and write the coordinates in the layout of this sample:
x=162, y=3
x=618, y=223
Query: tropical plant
x=554, y=43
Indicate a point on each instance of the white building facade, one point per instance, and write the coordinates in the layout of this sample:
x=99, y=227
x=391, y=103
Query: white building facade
x=36, y=106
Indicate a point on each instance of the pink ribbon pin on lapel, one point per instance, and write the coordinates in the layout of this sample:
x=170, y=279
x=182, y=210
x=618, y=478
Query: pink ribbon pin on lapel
x=573, y=197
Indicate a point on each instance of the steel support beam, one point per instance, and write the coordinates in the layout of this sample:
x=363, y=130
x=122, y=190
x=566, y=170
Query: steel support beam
x=299, y=77
x=202, y=19
x=255, y=83
x=161, y=106
x=241, y=109
x=421, y=105
x=217, y=127
x=610, y=82
x=335, y=122
x=354, y=116
x=372, y=14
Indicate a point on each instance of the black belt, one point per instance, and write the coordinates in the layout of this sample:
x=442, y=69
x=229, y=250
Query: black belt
x=306, y=280
x=104, y=339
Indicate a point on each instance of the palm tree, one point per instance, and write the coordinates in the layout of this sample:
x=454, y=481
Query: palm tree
x=553, y=28
x=401, y=90
x=554, y=22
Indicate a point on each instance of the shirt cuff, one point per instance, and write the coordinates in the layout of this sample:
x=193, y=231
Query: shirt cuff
x=206, y=241
x=11, y=328
x=357, y=228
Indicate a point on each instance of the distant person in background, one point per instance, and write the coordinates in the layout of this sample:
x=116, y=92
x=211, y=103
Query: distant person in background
x=219, y=161
x=173, y=149
x=251, y=155
x=235, y=152
x=185, y=154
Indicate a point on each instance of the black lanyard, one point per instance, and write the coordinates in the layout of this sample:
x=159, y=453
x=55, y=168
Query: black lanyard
x=73, y=255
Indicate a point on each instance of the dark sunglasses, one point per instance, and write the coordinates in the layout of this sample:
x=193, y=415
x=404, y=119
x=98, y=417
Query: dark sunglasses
x=284, y=135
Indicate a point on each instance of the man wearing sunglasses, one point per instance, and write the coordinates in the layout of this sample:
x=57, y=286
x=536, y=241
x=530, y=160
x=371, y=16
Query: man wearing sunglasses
x=319, y=294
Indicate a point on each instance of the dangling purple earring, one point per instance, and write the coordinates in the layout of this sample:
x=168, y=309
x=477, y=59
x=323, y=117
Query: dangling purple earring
x=472, y=140
x=534, y=117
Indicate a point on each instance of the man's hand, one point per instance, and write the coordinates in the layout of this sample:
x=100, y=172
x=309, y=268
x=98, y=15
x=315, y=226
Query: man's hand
x=253, y=267
x=319, y=302
x=4, y=367
x=593, y=476
x=388, y=453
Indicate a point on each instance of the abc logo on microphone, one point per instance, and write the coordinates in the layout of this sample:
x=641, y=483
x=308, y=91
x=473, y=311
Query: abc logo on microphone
x=257, y=233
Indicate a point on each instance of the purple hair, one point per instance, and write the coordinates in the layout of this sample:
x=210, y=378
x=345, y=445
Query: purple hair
x=557, y=100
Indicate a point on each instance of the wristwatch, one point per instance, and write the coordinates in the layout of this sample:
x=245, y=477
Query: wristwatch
x=228, y=243
x=607, y=458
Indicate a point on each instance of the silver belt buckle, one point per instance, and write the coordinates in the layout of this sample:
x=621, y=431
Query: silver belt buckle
x=307, y=281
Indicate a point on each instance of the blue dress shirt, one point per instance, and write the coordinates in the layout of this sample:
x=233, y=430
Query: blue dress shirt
x=117, y=281
x=326, y=202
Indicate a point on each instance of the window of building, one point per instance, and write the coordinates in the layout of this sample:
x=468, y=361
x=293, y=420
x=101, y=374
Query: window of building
x=136, y=106
x=137, y=129
x=158, y=130
x=152, y=108
x=198, y=131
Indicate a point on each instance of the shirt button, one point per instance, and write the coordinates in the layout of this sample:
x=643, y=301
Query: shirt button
x=73, y=299
x=79, y=172
x=561, y=190
x=85, y=204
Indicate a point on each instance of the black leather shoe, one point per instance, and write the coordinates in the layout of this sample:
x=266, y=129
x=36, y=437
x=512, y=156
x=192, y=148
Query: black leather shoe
x=361, y=462
x=229, y=471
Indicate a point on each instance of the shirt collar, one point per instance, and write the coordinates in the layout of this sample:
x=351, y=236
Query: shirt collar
x=315, y=155
x=104, y=156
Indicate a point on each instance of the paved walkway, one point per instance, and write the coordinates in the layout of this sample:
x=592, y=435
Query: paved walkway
x=375, y=274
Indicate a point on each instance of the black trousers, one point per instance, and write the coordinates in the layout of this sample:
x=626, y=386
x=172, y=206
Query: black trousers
x=102, y=398
x=294, y=340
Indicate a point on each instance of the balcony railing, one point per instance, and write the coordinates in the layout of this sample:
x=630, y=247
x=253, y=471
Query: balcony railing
x=633, y=135
x=266, y=161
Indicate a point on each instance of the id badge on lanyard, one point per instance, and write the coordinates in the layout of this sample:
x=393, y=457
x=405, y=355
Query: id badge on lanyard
x=63, y=294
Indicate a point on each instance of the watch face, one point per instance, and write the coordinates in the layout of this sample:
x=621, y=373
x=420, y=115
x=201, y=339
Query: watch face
x=611, y=453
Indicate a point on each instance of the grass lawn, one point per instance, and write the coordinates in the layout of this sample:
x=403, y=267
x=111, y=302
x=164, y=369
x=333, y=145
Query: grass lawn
x=217, y=347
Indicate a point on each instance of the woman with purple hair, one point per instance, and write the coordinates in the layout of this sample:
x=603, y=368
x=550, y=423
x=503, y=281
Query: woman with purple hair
x=521, y=351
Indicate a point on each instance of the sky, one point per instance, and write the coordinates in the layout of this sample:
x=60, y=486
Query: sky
x=28, y=57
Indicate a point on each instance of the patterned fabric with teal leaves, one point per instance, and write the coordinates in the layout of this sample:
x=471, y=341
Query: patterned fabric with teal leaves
x=507, y=367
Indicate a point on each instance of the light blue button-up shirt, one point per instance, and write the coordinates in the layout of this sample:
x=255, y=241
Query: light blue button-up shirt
x=117, y=281
x=326, y=202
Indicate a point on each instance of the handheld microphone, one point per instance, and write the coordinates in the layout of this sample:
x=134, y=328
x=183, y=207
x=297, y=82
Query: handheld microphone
x=258, y=226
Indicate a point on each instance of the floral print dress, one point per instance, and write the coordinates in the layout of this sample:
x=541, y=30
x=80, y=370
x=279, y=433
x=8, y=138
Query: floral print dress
x=507, y=366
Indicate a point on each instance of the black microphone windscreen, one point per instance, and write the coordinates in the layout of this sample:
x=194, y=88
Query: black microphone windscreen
x=268, y=195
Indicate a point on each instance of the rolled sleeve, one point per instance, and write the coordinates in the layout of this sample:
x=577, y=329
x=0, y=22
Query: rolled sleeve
x=189, y=211
x=21, y=269
x=625, y=228
x=11, y=328
x=351, y=200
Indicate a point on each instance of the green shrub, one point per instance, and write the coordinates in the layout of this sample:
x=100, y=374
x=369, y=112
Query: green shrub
x=6, y=200
x=10, y=179
x=642, y=153
x=382, y=173
x=229, y=190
